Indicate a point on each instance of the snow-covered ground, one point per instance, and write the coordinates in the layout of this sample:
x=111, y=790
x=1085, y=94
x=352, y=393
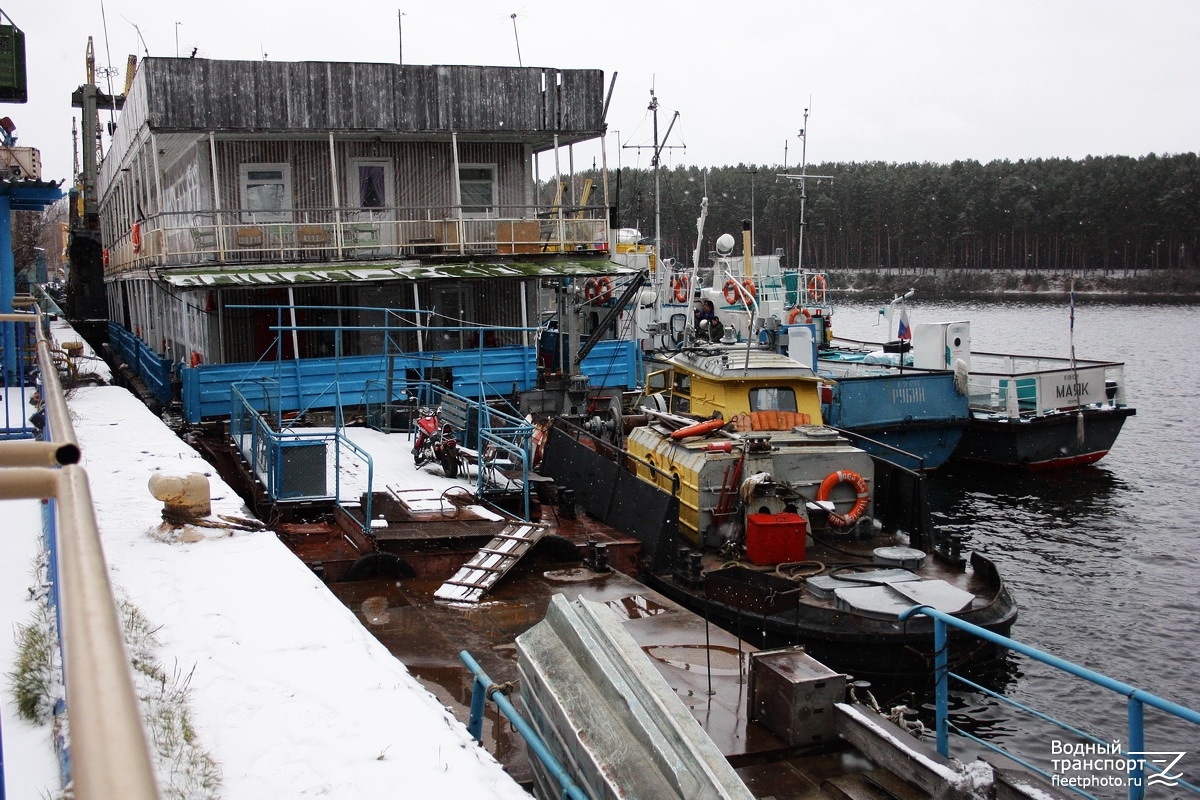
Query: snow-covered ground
x=290, y=693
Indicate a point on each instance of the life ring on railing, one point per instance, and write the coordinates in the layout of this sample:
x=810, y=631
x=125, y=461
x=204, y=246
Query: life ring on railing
x=699, y=429
x=818, y=286
x=860, y=505
x=733, y=294
x=136, y=238
x=599, y=289
x=796, y=312
x=680, y=286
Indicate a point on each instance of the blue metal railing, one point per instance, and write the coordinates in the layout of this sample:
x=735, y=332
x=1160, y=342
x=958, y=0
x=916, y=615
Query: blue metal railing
x=270, y=453
x=1133, y=758
x=478, y=370
x=483, y=689
x=16, y=380
x=496, y=436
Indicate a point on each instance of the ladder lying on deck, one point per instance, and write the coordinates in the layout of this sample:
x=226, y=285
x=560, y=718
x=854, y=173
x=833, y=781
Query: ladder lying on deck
x=491, y=563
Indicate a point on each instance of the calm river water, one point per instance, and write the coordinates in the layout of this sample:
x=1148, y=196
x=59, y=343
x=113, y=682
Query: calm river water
x=1103, y=561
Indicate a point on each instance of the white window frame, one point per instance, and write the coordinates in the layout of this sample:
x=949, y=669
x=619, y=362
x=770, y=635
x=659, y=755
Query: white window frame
x=389, y=179
x=282, y=215
x=491, y=209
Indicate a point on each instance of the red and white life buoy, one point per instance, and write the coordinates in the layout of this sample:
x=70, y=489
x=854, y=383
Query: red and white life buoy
x=136, y=238
x=679, y=287
x=699, y=429
x=598, y=289
x=818, y=286
x=860, y=504
x=796, y=313
x=733, y=294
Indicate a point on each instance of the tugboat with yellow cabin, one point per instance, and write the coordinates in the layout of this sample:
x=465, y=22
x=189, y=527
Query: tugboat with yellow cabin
x=787, y=532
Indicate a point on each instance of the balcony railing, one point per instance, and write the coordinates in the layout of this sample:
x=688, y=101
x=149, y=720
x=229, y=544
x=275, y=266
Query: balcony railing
x=352, y=235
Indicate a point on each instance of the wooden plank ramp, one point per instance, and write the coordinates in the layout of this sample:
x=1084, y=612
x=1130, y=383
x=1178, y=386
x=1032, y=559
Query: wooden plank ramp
x=484, y=569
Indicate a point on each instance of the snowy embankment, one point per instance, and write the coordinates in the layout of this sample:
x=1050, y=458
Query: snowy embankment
x=289, y=693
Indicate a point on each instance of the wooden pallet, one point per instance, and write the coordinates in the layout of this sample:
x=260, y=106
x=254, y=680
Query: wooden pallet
x=476, y=577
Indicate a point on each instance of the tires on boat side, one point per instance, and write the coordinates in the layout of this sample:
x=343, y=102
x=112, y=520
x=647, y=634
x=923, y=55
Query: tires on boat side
x=379, y=565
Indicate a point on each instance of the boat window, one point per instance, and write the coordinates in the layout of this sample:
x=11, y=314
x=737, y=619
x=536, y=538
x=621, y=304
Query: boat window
x=454, y=307
x=477, y=187
x=681, y=402
x=267, y=192
x=773, y=398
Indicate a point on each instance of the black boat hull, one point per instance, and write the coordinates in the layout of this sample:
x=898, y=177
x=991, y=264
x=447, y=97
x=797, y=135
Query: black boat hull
x=854, y=643
x=1053, y=441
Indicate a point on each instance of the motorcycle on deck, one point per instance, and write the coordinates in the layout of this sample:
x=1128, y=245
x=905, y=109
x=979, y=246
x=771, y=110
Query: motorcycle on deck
x=435, y=442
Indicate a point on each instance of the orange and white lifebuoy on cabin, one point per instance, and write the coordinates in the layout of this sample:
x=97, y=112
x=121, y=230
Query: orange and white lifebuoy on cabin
x=136, y=238
x=680, y=286
x=796, y=314
x=733, y=295
x=598, y=289
x=818, y=286
x=860, y=504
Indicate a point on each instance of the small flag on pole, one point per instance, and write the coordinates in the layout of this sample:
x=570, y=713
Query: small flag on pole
x=903, y=331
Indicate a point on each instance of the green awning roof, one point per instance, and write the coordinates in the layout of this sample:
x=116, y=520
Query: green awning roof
x=381, y=271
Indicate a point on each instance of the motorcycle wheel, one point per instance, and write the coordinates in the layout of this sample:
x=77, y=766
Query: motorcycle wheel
x=449, y=463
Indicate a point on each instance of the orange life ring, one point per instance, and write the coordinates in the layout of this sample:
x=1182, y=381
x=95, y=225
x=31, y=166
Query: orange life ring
x=598, y=289
x=860, y=505
x=817, y=285
x=136, y=238
x=796, y=312
x=700, y=428
x=733, y=293
x=679, y=285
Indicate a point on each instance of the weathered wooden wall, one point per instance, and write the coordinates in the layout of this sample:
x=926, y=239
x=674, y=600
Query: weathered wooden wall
x=200, y=94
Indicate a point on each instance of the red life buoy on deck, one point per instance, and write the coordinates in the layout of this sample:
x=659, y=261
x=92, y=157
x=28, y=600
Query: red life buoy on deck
x=679, y=285
x=136, y=238
x=860, y=505
x=699, y=429
x=598, y=289
x=818, y=286
x=796, y=312
x=733, y=294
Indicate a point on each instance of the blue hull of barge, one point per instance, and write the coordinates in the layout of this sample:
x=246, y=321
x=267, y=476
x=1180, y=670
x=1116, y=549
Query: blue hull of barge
x=918, y=412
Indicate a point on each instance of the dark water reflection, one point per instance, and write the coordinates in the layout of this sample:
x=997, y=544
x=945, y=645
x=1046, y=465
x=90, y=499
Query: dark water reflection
x=1104, y=560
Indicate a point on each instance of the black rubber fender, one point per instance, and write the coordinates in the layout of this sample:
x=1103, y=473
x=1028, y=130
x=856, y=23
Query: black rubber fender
x=556, y=550
x=379, y=565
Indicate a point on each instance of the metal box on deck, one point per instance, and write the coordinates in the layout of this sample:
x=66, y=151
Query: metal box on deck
x=792, y=694
x=775, y=538
x=301, y=470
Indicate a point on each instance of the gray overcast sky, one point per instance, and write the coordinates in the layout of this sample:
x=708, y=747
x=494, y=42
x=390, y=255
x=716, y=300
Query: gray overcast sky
x=900, y=81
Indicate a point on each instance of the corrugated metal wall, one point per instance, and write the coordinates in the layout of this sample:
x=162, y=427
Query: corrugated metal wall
x=246, y=333
x=423, y=171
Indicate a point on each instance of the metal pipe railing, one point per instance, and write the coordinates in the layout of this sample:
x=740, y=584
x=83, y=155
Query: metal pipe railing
x=110, y=754
x=1137, y=699
x=483, y=688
